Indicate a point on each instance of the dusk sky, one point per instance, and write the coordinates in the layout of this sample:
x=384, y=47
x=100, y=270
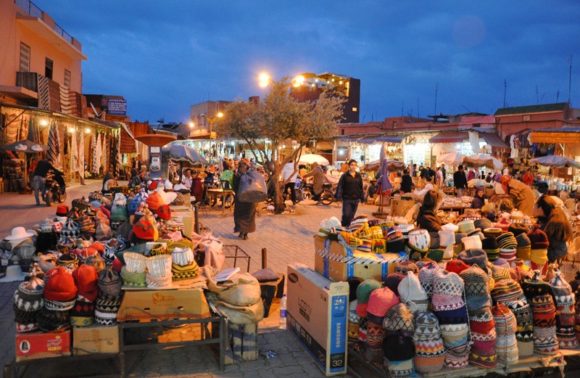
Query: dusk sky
x=163, y=56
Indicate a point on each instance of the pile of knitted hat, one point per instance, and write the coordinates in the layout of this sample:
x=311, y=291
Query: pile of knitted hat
x=429, y=348
x=481, y=322
x=508, y=292
x=380, y=302
x=363, y=293
x=353, y=318
x=28, y=302
x=565, y=312
x=109, y=297
x=412, y=293
x=506, y=346
x=60, y=293
x=449, y=307
x=86, y=279
x=539, y=293
x=539, y=248
x=398, y=345
x=426, y=275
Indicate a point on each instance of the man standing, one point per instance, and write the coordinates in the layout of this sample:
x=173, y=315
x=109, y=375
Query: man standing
x=289, y=175
x=459, y=180
x=39, y=180
x=350, y=191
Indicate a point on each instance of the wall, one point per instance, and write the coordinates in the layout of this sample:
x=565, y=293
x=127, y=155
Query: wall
x=12, y=33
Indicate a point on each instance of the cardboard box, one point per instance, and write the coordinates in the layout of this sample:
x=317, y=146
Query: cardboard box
x=94, y=340
x=339, y=263
x=184, y=214
x=148, y=305
x=318, y=313
x=30, y=346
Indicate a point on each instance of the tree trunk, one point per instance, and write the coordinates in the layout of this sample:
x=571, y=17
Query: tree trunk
x=279, y=205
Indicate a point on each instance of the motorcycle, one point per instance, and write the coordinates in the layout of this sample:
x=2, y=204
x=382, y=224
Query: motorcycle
x=55, y=187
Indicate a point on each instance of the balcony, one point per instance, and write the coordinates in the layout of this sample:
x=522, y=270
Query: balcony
x=35, y=19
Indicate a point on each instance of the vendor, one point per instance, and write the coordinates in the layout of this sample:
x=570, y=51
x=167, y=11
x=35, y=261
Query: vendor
x=318, y=180
x=554, y=223
x=479, y=199
x=427, y=218
x=521, y=194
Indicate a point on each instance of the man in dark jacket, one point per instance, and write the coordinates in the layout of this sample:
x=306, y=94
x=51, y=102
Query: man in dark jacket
x=350, y=191
x=406, y=182
x=39, y=180
x=460, y=180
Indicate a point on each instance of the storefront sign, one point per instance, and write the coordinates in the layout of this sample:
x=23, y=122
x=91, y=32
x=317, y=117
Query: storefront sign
x=117, y=106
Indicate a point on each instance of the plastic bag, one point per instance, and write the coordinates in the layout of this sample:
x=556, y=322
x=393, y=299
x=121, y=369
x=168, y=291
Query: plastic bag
x=252, y=187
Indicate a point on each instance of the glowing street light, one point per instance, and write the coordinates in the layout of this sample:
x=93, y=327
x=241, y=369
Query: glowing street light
x=264, y=79
x=43, y=122
x=220, y=115
x=191, y=124
x=298, y=81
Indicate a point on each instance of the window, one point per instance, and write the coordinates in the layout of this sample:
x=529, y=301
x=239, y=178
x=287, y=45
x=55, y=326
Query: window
x=48, y=67
x=24, y=57
x=67, y=75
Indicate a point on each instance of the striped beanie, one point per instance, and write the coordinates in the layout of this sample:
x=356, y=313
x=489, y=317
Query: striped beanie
x=413, y=294
x=483, y=337
x=447, y=301
x=524, y=246
x=456, y=341
x=429, y=348
x=398, y=345
x=508, y=254
x=489, y=245
x=476, y=288
x=565, y=312
x=399, y=319
x=539, y=295
x=474, y=256
x=506, y=346
x=507, y=240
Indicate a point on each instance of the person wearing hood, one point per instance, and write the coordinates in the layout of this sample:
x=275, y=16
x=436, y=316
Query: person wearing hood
x=427, y=218
x=521, y=194
x=555, y=224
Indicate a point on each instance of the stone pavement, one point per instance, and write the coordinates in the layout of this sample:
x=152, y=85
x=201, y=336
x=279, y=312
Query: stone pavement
x=287, y=238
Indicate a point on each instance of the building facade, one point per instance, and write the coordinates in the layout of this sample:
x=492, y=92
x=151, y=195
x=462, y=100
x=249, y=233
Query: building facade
x=203, y=117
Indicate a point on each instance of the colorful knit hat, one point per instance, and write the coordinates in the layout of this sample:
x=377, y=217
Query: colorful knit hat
x=86, y=279
x=508, y=254
x=506, y=346
x=146, y=229
x=524, y=247
x=518, y=229
x=539, y=295
x=50, y=320
x=133, y=279
x=476, y=288
x=155, y=200
x=429, y=348
x=447, y=300
x=399, y=318
x=381, y=300
x=164, y=212
x=456, y=266
x=466, y=226
x=539, y=248
x=419, y=240
x=507, y=240
x=364, y=290
x=406, y=266
x=109, y=283
x=60, y=290
x=492, y=232
x=28, y=295
x=426, y=275
x=565, y=312
x=374, y=339
x=456, y=340
x=490, y=247
x=82, y=314
x=106, y=309
x=392, y=281
x=474, y=256
x=482, y=223
x=483, y=337
x=184, y=272
x=413, y=294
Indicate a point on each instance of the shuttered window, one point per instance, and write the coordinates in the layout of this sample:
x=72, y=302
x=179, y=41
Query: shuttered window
x=67, y=75
x=24, y=57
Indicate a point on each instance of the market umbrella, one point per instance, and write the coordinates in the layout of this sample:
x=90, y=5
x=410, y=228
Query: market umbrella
x=450, y=158
x=313, y=158
x=182, y=152
x=25, y=146
x=556, y=161
x=53, y=144
x=481, y=160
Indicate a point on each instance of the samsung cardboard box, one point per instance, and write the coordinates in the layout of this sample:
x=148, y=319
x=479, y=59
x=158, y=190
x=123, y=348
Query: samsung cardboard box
x=94, y=340
x=317, y=311
x=30, y=346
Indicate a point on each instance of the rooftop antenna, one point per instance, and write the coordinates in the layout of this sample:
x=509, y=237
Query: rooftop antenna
x=436, y=92
x=570, y=82
x=557, y=95
x=504, y=93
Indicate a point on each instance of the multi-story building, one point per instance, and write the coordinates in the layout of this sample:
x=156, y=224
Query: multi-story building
x=309, y=86
x=203, y=117
x=40, y=63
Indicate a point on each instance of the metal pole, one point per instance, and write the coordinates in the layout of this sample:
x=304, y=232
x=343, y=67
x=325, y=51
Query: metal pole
x=196, y=217
x=264, y=258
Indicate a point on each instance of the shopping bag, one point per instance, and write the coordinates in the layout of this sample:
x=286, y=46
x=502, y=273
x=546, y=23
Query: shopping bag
x=252, y=187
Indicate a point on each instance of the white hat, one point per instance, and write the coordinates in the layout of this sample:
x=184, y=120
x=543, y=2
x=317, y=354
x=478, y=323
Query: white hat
x=13, y=273
x=19, y=233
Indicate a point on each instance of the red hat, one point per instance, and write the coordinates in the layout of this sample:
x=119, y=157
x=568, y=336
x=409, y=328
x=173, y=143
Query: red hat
x=144, y=229
x=117, y=265
x=361, y=310
x=164, y=212
x=153, y=185
x=86, y=279
x=539, y=239
x=60, y=285
x=100, y=247
x=155, y=200
x=456, y=266
x=381, y=301
x=62, y=210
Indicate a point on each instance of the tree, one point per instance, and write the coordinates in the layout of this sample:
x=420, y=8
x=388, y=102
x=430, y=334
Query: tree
x=281, y=118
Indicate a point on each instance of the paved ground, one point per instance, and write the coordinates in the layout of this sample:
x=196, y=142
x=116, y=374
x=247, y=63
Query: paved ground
x=287, y=238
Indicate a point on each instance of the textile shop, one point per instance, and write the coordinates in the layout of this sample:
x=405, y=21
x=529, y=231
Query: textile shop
x=79, y=147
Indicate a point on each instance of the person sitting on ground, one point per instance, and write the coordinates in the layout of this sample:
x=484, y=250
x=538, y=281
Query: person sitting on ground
x=478, y=199
x=555, y=224
x=427, y=217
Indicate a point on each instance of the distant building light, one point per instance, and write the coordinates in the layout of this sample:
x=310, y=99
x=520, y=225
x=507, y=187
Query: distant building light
x=354, y=109
x=87, y=130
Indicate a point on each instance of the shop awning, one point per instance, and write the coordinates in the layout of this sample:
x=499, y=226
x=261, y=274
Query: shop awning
x=450, y=137
x=564, y=135
x=380, y=139
x=493, y=140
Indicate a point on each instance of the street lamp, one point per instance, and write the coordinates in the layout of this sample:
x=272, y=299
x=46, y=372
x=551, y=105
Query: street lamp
x=191, y=124
x=264, y=79
x=220, y=115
